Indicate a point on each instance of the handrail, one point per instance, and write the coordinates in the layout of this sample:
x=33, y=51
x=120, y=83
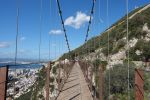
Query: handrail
x=86, y=77
x=63, y=83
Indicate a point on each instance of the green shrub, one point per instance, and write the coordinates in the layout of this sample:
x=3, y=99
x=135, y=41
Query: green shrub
x=147, y=82
x=26, y=96
x=54, y=69
x=41, y=96
x=120, y=44
x=97, y=63
x=119, y=77
x=144, y=47
x=52, y=88
x=51, y=79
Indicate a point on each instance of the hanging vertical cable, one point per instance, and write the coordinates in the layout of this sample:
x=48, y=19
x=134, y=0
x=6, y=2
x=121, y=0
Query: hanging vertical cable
x=40, y=33
x=49, y=48
x=89, y=24
x=128, y=49
x=41, y=8
x=94, y=43
x=17, y=30
x=108, y=57
x=16, y=48
x=88, y=28
x=49, y=35
x=99, y=15
x=98, y=46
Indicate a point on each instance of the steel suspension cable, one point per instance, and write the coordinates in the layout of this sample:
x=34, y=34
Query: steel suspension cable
x=98, y=43
x=49, y=35
x=63, y=26
x=94, y=41
x=108, y=57
x=49, y=48
x=40, y=33
x=89, y=24
x=128, y=49
x=40, y=40
x=17, y=36
x=94, y=23
x=99, y=17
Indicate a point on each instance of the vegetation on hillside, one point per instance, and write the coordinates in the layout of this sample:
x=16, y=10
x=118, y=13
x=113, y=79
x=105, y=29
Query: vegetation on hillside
x=144, y=48
x=119, y=80
x=116, y=36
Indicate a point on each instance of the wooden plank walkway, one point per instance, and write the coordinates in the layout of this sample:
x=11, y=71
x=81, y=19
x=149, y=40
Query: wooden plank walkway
x=75, y=87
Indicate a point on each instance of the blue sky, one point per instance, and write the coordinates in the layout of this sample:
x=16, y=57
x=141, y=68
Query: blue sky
x=75, y=14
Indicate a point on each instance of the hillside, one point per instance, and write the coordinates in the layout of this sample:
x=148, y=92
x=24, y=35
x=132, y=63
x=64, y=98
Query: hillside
x=139, y=39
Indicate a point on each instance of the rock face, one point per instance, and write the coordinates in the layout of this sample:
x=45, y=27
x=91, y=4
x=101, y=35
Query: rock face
x=132, y=42
x=119, y=56
x=147, y=30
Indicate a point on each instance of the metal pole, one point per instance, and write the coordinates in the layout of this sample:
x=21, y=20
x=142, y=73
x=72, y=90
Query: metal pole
x=100, y=83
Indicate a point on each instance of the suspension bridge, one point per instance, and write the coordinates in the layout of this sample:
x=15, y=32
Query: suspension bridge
x=75, y=76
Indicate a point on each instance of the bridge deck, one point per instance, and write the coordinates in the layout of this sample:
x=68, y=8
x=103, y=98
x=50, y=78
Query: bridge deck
x=76, y=87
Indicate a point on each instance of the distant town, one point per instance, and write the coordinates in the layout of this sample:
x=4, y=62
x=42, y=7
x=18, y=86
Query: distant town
x=23, y=78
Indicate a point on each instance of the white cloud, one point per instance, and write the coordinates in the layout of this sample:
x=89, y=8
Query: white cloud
x=4, y=44
x=77, y=21
x=56, y=32
x=22, y=38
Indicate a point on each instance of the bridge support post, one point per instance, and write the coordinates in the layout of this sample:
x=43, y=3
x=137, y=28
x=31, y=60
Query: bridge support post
x=139, y=83
x=83, y=68
x=91, y=77
x=64, y=73
x=48, y=80
x=101, y=83
x=3, y=82
x=87, y=72
x=59, y=83
x=66, y=70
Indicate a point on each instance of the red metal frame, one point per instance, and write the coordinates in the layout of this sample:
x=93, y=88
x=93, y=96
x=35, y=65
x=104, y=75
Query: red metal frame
x=3, y=82
x=139, y=84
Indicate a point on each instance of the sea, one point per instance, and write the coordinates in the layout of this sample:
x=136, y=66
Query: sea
x=21, y=66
